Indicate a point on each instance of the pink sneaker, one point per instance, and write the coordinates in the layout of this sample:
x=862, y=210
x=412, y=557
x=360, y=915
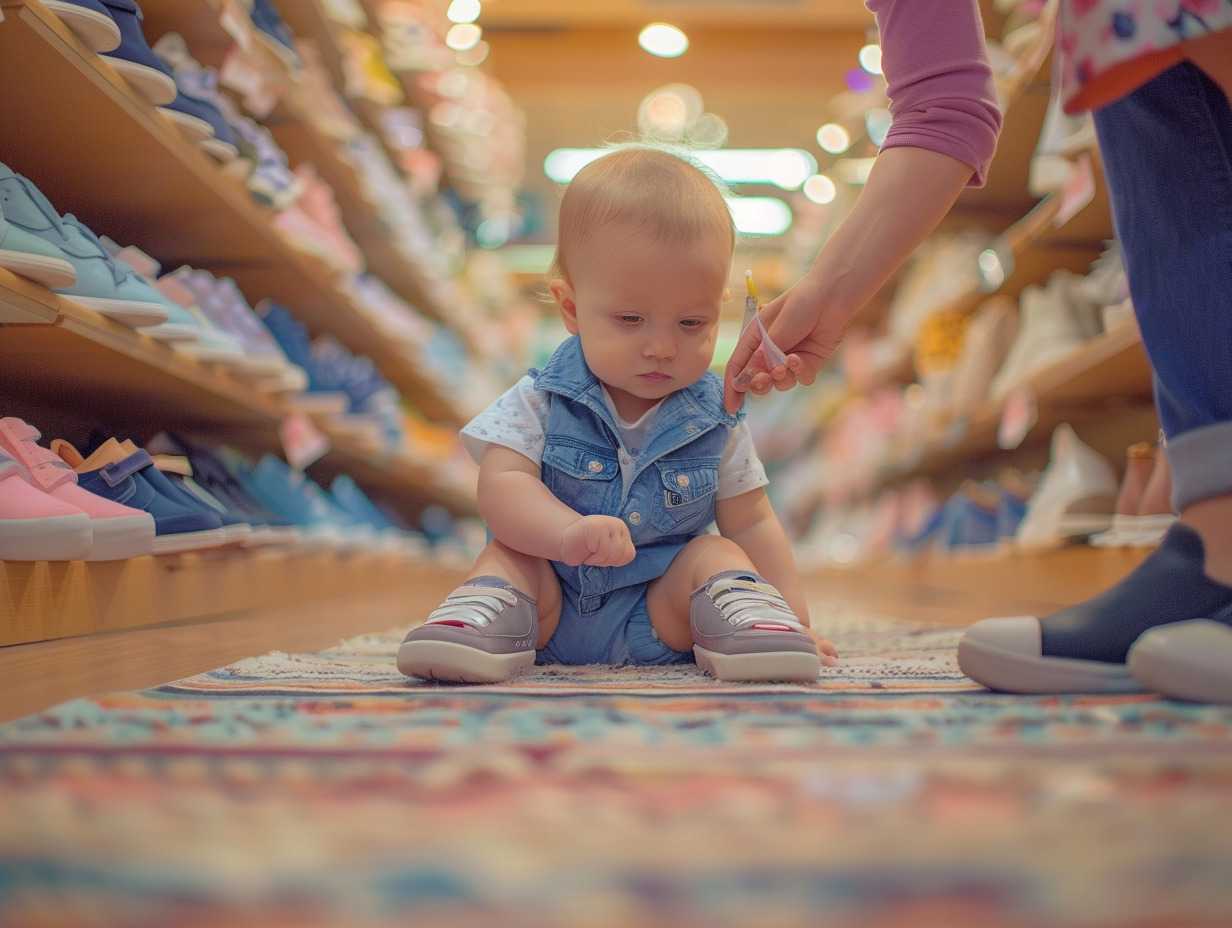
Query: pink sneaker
x=35, y=526
x=119, y=532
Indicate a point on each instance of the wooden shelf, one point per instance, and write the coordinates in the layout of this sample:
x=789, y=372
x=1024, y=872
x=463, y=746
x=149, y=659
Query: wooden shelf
x=44, y=600
x=83, y=371
x=125, y=171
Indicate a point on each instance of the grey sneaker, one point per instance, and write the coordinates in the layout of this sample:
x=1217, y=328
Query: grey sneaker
x=744, y=631
x=480, y=634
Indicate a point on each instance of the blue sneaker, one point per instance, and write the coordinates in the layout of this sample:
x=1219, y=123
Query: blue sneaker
x=273, y=32
x=320, y=397
x=201, y=84
x=127, y=299
x=89, y=20
x=298, y=499
x=134, y=60
x=36, y=259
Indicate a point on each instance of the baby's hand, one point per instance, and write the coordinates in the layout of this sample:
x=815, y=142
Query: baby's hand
x=600, y=541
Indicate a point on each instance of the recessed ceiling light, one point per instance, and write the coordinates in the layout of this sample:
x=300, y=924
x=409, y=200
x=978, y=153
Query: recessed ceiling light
x=663, y=40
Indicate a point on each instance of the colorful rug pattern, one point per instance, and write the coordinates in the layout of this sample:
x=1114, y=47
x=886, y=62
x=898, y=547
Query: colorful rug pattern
x=327, y=789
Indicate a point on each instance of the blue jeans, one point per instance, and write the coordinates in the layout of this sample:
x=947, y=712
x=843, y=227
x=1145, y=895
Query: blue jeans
x=1167, y=152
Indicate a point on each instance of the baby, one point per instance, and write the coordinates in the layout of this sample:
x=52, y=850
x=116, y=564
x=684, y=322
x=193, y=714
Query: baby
x=601, y=474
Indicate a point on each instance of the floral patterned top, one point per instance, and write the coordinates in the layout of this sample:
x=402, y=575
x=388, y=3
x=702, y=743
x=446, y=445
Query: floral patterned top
x=1109, y=47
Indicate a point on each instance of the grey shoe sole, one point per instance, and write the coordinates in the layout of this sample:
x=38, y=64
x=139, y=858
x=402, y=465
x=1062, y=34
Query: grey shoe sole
x=999, y=669
x=457, y=663
x=763, y=667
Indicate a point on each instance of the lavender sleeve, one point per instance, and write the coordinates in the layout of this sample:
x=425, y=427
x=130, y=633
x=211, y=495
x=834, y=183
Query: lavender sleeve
x=939, y=80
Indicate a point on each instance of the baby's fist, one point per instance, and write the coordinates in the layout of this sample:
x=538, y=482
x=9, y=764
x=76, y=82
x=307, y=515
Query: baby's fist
x=600, y=541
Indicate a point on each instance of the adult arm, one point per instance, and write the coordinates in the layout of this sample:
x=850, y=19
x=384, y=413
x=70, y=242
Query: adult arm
x=945, y=122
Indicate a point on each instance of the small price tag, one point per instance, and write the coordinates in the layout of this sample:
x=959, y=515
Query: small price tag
x=1018, y=417
x=1079, y=190
x=302, y=441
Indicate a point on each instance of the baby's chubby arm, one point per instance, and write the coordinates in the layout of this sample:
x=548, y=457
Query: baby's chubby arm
x=523, y=514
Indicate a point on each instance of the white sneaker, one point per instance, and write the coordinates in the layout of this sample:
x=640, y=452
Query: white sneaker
x=1076, y=495
x=1185, y=660
x=1048, y=332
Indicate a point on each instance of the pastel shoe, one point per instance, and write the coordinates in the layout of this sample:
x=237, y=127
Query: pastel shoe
x=35, y=526
x=1084, y=648
x=118, y=531
x=113, y=473
x=107, y=288
x=1048, y=332
x=133, y=59
x=190, y=116
x=89, y=20
x=1075, y=497
x=34, y=258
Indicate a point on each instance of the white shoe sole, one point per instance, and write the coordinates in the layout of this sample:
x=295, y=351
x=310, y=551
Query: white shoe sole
x=55, y=538
x=127, y=312
x=98, y=32
x=151, y=83
x=52, y=273
x=194, y=127
x=456, y=663
x=765, y=667
x=123, y=537
x=190, y=541
x=1005, y=671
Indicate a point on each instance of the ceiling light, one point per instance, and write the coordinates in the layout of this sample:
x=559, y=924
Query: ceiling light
x=463, y=11
x=463, y=36
x=820, y=189
x=833, y=138
x=870, y=57
x=760, y=215
x=787, y=168
x=663, y=40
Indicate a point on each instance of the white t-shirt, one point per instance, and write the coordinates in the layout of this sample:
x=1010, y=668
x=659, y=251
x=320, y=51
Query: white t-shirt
x=518, y=420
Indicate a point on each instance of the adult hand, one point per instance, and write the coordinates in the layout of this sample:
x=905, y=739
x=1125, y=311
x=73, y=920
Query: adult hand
x=798, y=323
x=600, y=541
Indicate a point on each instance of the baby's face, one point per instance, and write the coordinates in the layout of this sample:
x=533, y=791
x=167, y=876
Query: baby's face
x=647, y=314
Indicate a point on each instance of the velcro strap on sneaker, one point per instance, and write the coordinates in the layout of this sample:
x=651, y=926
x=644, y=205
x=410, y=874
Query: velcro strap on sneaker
x=115, y=474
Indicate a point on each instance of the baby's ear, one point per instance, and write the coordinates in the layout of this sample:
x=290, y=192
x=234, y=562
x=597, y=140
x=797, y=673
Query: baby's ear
x=562, y=291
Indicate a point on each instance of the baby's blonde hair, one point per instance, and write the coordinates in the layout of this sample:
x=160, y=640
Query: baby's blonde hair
x=663, y=195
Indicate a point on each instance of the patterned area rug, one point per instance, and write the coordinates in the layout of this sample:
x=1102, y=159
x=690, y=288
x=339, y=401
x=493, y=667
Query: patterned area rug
x=328, y=789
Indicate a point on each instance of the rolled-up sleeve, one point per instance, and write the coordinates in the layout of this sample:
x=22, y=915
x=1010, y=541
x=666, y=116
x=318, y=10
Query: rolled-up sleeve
x=939, y=80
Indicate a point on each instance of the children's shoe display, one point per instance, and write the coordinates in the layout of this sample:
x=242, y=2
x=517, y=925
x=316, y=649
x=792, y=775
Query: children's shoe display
x=484, y=632
x=112, y=472
x=313, y=224
x=109, y=288
x=273, y=32
x=1075, y=496
x=89, y=20
x=35, y=526
x=34, y=258
x=1048, y=332
x=118, y=531
x=743, y=631
x=200, y=84
x=134, y=60
x=1083, y=648
x=1186, y=660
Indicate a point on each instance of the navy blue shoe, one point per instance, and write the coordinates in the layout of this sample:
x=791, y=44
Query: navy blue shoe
x=1084, y=649
x=136, y=482
x=273, y=32
x=143, y=70
x=89, y=21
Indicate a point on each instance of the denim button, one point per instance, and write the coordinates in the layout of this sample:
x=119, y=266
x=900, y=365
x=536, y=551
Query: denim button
x=594, y=467
x=635, y=518
x=682, y=480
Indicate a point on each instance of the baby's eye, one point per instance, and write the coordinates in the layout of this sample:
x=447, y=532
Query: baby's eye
x=692, y=323
x=630, y=318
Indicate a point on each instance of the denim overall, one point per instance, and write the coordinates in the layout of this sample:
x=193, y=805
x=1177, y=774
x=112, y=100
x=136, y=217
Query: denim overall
x=669, y=501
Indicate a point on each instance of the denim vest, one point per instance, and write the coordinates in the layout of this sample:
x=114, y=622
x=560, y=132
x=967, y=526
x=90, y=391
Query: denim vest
x=672, y=495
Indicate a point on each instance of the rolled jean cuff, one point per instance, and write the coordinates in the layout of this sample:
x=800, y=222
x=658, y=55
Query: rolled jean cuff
x=1201, y=463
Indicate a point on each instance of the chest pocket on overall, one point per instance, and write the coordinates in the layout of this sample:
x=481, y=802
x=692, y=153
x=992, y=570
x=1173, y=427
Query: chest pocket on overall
x=582, y=476
x=686, y=501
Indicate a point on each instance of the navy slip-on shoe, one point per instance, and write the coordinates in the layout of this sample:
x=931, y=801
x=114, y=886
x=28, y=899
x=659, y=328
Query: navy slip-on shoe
x=89, y=21
x=133, y=59
x=1084, y=648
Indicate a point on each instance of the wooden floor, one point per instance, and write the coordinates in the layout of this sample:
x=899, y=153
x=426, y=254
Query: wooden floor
x=954, y=592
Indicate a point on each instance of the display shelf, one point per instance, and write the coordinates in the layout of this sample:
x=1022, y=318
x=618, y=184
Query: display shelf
x=1108, y=377
x=84, y=371
x=125, y=171
x=46, y=600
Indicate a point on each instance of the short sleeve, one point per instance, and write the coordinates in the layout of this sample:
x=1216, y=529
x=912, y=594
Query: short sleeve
x=517, y=419
x=740, y=469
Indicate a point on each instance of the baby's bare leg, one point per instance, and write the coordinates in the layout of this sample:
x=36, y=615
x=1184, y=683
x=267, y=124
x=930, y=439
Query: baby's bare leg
x=667, y=598
x=534, y=576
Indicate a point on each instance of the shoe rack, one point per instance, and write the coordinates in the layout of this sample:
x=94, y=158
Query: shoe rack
x=97, y=149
